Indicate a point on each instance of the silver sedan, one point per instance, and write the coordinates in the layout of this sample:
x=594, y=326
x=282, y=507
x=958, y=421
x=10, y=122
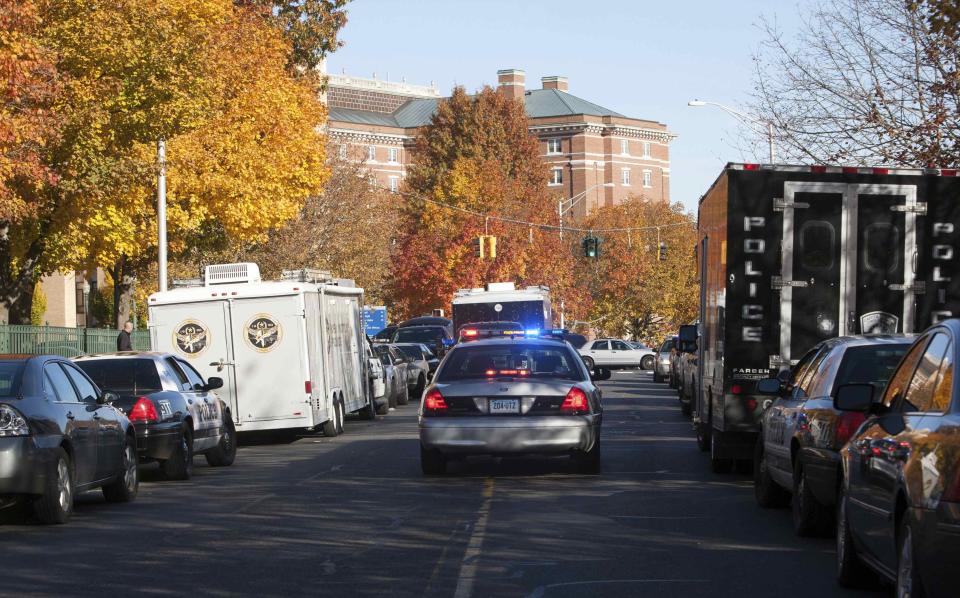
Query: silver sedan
x=508, y=396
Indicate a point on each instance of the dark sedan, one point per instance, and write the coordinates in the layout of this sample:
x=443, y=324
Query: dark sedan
x=798, y=449
x=899, y=506
x=59, y=436
x=174, y=411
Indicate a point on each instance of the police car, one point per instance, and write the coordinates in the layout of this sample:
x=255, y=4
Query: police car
x=511, y=395
x=173, y=409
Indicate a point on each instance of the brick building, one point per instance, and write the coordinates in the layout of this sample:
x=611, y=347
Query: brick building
x=588, y=147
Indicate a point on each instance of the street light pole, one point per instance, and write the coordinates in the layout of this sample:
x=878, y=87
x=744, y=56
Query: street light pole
x=746, y=118
x=162, y=215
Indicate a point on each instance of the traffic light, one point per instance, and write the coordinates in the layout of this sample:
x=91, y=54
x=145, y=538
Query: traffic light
x=485, y=246
x=491, y=247
x=591, y=247
x=478, y=247
x=662, y=252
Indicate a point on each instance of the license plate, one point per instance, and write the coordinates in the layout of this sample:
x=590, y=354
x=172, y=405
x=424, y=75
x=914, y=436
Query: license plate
x=504, y=406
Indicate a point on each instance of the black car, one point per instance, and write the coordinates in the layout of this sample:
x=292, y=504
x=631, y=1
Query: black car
x=438, y=338
x=174, y=411
x=798, y=450
x=384, y=335
x=429, y=321
x=899, y=505
x=59, y=436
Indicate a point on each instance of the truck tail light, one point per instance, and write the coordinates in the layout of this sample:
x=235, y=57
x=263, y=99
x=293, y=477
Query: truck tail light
x=575, y=403
x=847, y=424
x=433, y=403
x=308, y=387
x=144, y=411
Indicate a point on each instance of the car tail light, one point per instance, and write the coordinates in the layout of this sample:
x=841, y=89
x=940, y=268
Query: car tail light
x=143, y=411
x=847, y=424
x=575, y=403
x=470, y=332
x=433, y=403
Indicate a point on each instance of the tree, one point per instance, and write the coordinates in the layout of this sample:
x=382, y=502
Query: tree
x=865, y=82
x=477, y=158
x=634, y=292
x=311, y=27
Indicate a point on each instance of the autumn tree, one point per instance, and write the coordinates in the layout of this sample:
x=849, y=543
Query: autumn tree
x=477, y=158
x=634, y=292
x=310, y=26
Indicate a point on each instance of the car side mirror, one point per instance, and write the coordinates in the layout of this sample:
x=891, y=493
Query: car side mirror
x=769, y=386
x=213, y=383
x=108, y=397
x=854, y=397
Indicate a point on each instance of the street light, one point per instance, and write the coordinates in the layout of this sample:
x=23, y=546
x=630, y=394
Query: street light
x=574, y=201
x=745, y=118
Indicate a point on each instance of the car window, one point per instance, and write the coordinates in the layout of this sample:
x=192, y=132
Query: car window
x=424, y=334
x=9, y=378
x=427, y=353
x=178, y=374
x=620, y=346
x=59, y=384
x=804, y=378
x=521, y=360
x=667, y=346
x=600, y=346
x=800, y=369
x=88, y=392
x=133, y=376
x=871, y=364
x=919, y=396
x=900, y=379
x=193, y=377
x=412, y=351
x=944, y=389
x=820, y=377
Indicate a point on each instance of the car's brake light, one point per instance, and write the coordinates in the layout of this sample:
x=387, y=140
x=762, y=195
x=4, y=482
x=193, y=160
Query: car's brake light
x=575, y=403
x=520, y=373
x=847, y=424
x=143, y=411
x=470, y=332
x=433, y=403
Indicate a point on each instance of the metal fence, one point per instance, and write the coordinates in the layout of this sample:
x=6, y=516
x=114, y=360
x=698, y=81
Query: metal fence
x=68, y=342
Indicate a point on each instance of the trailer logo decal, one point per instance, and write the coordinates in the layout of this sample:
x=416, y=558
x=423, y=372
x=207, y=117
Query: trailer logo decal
x=191, y=337
x=263, y=332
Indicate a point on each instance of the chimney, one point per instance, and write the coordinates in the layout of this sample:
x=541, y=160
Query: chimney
x=511, y=83
x=555, y=82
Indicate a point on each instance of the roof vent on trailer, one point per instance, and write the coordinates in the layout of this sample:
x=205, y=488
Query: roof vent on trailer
x=230, y=274
x=501, y=286
x=311, y=275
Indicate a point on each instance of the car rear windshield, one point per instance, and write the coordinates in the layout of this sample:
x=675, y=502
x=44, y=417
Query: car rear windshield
x=424, y=334
x=10, y=378
x=411, y=351
x=531, y=360
x=134, y=376
x=872, y=364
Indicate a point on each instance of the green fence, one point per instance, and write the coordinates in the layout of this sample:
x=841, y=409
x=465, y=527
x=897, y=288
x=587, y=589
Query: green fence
x=69, y=342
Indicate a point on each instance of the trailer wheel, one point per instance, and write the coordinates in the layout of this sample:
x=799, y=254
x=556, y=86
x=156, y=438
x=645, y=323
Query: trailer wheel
x=341, y=415
x=330, y=427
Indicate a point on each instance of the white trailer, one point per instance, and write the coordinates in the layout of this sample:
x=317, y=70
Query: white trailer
x=290, y=352
x=503, y=301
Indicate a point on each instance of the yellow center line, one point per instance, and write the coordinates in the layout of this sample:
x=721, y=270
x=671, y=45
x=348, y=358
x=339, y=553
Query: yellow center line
x=468, y=566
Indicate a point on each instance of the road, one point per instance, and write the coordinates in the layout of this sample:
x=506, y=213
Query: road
x=353, y=516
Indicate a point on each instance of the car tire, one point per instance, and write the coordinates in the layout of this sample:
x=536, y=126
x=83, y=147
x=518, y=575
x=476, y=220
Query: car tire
x=330, y=427
x=588, y=462
x=421, y=384
x=809, y=516
x=405, y=398
x=384, y=407
x=718, y=464
x=768, y=493
x=225, y=452
x=180, y=464
x=590, y=363
x=908, y=579
x=392, y=401
x=851, y=572
x=125, y=487
x=646, y=363
x=55, y=505
x=687, y=410
x=432, y=462
x=369, y=412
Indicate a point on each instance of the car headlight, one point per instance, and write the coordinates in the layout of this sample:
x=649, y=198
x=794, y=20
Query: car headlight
x=12, y=423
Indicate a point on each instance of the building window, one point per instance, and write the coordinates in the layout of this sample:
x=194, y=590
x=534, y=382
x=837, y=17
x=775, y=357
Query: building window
x=625, y=147
x=625, y=177
x=372, y=153
x=553, y=146
x=646, y=149
x=556, y=176
x=647, y=178
x=342, y=151
x=394, y=184
x=393, y=155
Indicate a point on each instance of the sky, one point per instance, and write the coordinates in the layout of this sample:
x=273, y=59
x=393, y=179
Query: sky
x=641, y=58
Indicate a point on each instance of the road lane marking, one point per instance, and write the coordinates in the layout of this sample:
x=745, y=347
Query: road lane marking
x=468, y=566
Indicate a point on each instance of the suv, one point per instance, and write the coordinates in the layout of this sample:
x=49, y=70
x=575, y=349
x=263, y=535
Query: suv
x=436, y=337
x=615, y=354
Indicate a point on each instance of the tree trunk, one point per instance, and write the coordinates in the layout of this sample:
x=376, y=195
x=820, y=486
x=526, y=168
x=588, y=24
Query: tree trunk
x=122, y=286
x=17, y=283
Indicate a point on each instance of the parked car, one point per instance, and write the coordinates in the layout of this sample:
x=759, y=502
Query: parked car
x=384, y=335
x=60, y=435
x=395, y=368
x=673, y=380
x=436, y=337
x=899, y=504
x=661, y=370
x=511, y=396
x=446, y=323
x=798, y=450
x=615, y=354
x=418, y=367
x=687, y=362
x=638, y=345
x=377, y=382
x=423, y=357
x=174, y=411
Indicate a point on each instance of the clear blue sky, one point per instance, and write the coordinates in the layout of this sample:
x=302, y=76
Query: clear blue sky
x=641, y=58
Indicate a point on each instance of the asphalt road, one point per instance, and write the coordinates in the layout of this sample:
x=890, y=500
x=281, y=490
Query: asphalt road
x=353, y=516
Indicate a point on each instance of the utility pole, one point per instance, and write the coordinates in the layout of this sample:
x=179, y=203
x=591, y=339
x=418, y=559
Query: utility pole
x=162, y=215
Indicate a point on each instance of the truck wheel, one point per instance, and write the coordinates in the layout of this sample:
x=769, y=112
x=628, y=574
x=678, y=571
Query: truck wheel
x=646, y=363
x=432, y=462
x=809, y=516
x=768, y=493
x=330, y=427
x=127, y=484
x=226, y=451
x=703, y=438
x=55, y=505
x=341, y=415
x=717, y=463
x=180, y=464
x=590, y=363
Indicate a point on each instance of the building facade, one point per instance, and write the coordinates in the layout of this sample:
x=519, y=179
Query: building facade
x=596, y=156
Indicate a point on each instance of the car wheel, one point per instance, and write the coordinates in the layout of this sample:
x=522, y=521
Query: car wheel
x=590, y=363
x=432, y=462
x=392, y=401
x=646, y=363
x=687, y=410
x=421, y=384
x=718, y=464
x=180, y=464
x=851, y=572
x=369, y=412
x=330, y=427
x=384, y=407
x=55, y=505
x=405, y=397
x=226, y=451
x=808, y=514
x=768, y=493
x=909, y=584
x=125, y=487
x=589, y=461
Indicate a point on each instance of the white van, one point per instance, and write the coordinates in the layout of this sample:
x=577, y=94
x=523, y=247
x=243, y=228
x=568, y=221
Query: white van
x=290, y=352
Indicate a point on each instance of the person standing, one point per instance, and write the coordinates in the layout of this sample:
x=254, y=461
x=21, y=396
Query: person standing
x=124, y=340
